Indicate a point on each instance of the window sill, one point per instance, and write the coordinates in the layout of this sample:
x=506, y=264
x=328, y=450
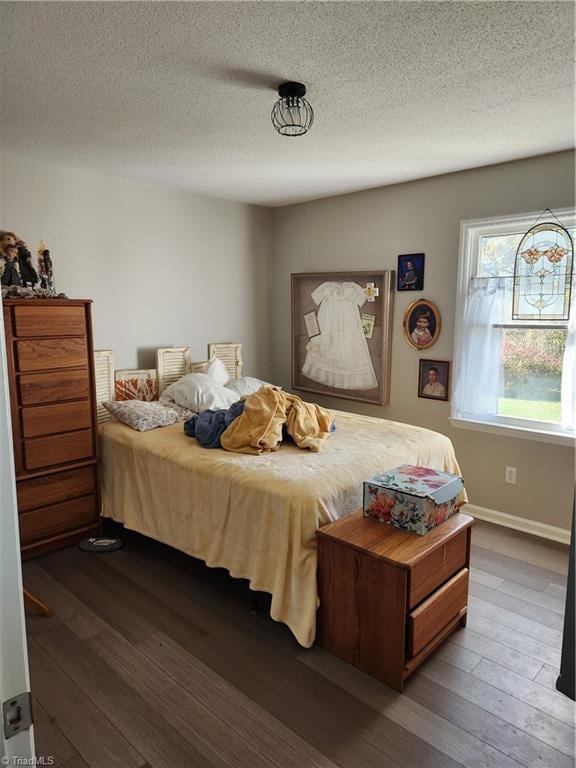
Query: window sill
x=540, y=435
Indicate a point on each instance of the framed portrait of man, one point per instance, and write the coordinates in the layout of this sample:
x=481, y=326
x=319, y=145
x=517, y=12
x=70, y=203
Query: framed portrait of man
x=434, y=379
x=410, y=273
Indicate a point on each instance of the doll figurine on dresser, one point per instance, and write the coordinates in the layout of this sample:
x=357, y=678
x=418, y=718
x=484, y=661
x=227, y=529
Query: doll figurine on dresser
x=28, y=274
x=9, y=268
x=45, y=270
x=11, y=274
x=18, y=276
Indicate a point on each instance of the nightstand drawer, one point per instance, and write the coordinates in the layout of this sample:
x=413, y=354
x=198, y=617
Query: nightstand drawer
x=426, y=621
x=434, y=569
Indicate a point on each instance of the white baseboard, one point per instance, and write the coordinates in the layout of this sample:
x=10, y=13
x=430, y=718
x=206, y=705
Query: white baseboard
x=533, y=527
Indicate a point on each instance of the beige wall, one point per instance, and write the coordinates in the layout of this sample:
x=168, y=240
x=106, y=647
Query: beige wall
x=163, y=266
x=368, y=230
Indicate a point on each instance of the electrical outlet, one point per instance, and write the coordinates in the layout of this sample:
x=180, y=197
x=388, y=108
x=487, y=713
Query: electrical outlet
x=510, y=475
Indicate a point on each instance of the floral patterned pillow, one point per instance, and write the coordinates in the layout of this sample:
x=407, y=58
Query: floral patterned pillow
x=141, y=415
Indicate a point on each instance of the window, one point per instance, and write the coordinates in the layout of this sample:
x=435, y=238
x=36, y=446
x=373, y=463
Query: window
x=513, y=373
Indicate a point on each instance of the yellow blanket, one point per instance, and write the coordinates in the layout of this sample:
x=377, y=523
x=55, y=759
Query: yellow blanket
x=259, y=427
x=256, y=516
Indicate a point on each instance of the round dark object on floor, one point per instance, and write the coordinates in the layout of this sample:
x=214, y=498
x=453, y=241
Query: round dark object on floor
x=100, y=544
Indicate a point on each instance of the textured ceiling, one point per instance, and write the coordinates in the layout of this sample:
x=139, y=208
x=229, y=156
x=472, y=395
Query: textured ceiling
x=181, y=93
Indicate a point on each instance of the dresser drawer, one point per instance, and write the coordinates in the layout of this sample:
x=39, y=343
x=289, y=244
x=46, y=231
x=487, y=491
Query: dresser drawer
x=37, y=388
x=426, y=621
x=57, y=518
x=42, y=354
x=58, y=449
x=49, y=321
x=434, y=569
x=50, y=419
x=52, y=489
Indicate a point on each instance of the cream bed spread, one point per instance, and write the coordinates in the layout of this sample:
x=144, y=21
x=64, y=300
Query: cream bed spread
x=256, y=516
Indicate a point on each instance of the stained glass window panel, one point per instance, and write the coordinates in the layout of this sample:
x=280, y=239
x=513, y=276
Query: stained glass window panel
x=543, y=274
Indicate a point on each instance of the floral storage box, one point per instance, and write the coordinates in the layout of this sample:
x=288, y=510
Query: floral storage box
x=414, y=498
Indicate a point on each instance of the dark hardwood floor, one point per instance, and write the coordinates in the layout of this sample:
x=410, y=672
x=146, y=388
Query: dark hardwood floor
x=153, y=660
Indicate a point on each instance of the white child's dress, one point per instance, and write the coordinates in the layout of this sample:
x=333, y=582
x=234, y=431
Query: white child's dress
x=339, y=356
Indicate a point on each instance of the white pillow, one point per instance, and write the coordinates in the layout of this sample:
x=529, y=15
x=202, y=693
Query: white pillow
x=197, y=392
x=247, y=385
x=217, y=371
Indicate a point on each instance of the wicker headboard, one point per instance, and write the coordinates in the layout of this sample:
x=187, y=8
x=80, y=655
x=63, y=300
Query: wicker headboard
x=170, y=366
x=173, y=362
x=231, y=356
x=104, y=375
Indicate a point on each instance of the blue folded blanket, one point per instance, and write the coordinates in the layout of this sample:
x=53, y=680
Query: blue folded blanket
x=207, y=427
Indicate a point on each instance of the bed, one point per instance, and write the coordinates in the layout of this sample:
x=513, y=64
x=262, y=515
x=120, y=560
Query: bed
x=256, y=516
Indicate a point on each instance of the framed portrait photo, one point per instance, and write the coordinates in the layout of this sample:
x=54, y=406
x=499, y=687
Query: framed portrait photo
x=422, y=324
x=410, y=272
x=341, y=334
x=434, y=379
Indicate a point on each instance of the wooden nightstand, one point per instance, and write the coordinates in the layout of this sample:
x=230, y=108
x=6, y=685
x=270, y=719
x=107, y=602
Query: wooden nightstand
x=388, y=598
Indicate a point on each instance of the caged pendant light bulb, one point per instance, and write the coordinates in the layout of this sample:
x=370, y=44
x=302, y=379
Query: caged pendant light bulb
x=292, y=114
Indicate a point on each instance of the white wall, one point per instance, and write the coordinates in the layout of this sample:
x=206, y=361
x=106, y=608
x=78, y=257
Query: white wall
x=368, y=230
x=163, y=266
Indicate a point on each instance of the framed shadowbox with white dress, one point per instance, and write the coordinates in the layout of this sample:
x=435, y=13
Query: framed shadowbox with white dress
x=341, y=334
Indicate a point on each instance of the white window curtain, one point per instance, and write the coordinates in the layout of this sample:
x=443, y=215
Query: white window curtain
x=568, y=391
x=477, y=376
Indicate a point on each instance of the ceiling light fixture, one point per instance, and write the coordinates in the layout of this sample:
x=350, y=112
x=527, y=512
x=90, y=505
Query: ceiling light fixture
x=292, y=114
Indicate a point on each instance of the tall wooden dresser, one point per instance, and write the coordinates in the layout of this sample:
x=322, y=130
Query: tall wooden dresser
x=52, y=395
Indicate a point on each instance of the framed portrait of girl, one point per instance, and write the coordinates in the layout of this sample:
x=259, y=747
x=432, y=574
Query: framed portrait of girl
x=422, y=324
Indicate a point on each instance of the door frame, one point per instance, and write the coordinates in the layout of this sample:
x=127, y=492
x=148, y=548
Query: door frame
x=14, y=675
